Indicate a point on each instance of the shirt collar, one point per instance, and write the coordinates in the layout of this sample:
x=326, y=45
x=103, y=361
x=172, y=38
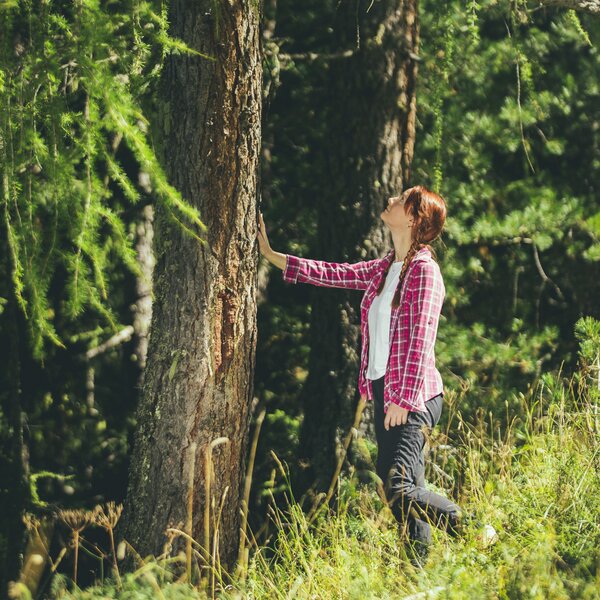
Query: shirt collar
x=421, y=254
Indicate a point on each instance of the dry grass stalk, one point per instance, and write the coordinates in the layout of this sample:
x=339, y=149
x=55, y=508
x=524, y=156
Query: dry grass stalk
x=243, y=554
x=207, y=495
x=108, y=518
x=77, y=520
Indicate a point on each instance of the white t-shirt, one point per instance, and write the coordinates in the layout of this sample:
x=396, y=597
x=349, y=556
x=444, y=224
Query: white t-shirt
x=380, y=313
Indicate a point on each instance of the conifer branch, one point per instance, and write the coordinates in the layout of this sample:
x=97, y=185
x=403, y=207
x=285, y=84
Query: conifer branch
x=589, y=6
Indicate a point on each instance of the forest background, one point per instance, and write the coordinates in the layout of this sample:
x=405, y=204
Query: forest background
x=507, y=130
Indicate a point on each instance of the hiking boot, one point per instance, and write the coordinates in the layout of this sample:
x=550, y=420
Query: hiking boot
x=486, y=535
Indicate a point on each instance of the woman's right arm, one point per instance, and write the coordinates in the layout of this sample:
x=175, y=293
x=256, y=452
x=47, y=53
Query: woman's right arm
x=355, y=276
x=276, y=258
x=318, y=272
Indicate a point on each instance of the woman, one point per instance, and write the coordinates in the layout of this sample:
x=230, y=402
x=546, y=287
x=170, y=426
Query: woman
x=400, y=310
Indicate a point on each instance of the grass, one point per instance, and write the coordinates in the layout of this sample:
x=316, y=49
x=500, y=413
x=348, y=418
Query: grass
x=538, y=484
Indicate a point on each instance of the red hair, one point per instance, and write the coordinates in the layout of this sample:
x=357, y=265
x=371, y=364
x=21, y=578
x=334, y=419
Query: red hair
x=428, y=210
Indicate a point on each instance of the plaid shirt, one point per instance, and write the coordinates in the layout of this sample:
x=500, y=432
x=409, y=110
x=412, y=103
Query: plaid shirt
x=411, y=377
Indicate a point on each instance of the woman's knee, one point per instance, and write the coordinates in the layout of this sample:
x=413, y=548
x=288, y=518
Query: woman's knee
x=401, y=485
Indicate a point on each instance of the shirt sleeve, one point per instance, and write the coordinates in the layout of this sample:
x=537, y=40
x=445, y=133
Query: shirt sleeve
x=424, y=310
x=354, y=276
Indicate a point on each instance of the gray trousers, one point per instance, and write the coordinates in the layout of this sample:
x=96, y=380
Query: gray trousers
x=401, y=466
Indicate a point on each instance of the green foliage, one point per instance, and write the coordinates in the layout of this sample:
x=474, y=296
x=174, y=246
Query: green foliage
x=587, y=332
x=446, y=53
x=35, y=497
x=144, y=584
x=572, y=16
x=519, y=105
x=71, y=86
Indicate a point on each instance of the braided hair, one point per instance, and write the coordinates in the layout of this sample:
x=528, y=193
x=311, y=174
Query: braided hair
x=429, y=212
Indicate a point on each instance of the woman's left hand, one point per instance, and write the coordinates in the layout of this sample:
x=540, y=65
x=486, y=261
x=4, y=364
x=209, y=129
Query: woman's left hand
x=395, y=415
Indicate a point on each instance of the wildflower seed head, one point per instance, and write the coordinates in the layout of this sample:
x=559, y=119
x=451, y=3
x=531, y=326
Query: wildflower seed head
x=109, y=515
x=77, y=519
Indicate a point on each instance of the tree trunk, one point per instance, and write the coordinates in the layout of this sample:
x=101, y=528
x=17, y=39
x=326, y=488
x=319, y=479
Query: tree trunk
x=370, y=116
x=201, y=352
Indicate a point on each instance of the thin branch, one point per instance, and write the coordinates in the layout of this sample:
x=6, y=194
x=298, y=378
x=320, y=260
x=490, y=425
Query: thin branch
x=521, y=128
x=312, y=56
x=589, y=6
x=123, y=336
x=518, y=270
x=542, y=273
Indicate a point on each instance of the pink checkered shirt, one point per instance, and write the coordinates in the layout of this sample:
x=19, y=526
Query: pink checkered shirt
x=411, y=377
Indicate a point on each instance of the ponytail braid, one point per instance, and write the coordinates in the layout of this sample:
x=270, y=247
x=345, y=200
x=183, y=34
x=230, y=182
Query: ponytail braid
x=414, y=247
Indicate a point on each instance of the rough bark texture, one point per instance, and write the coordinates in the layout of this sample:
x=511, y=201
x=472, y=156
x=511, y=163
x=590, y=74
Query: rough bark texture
x=371, y=133
x=201, y=353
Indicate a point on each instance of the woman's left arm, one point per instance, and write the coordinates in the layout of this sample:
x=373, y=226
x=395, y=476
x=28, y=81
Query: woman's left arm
x=428, y=292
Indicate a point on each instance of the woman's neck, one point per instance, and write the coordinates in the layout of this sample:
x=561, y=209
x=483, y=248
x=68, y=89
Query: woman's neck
x=402, y=244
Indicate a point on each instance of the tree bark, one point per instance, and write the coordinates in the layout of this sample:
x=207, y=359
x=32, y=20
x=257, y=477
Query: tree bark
x=201, y=352
x=371, y=111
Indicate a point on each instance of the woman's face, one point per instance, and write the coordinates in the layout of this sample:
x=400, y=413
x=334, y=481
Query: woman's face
x=394, y=216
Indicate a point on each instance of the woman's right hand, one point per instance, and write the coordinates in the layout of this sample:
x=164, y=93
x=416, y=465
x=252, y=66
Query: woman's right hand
x=263, y=240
